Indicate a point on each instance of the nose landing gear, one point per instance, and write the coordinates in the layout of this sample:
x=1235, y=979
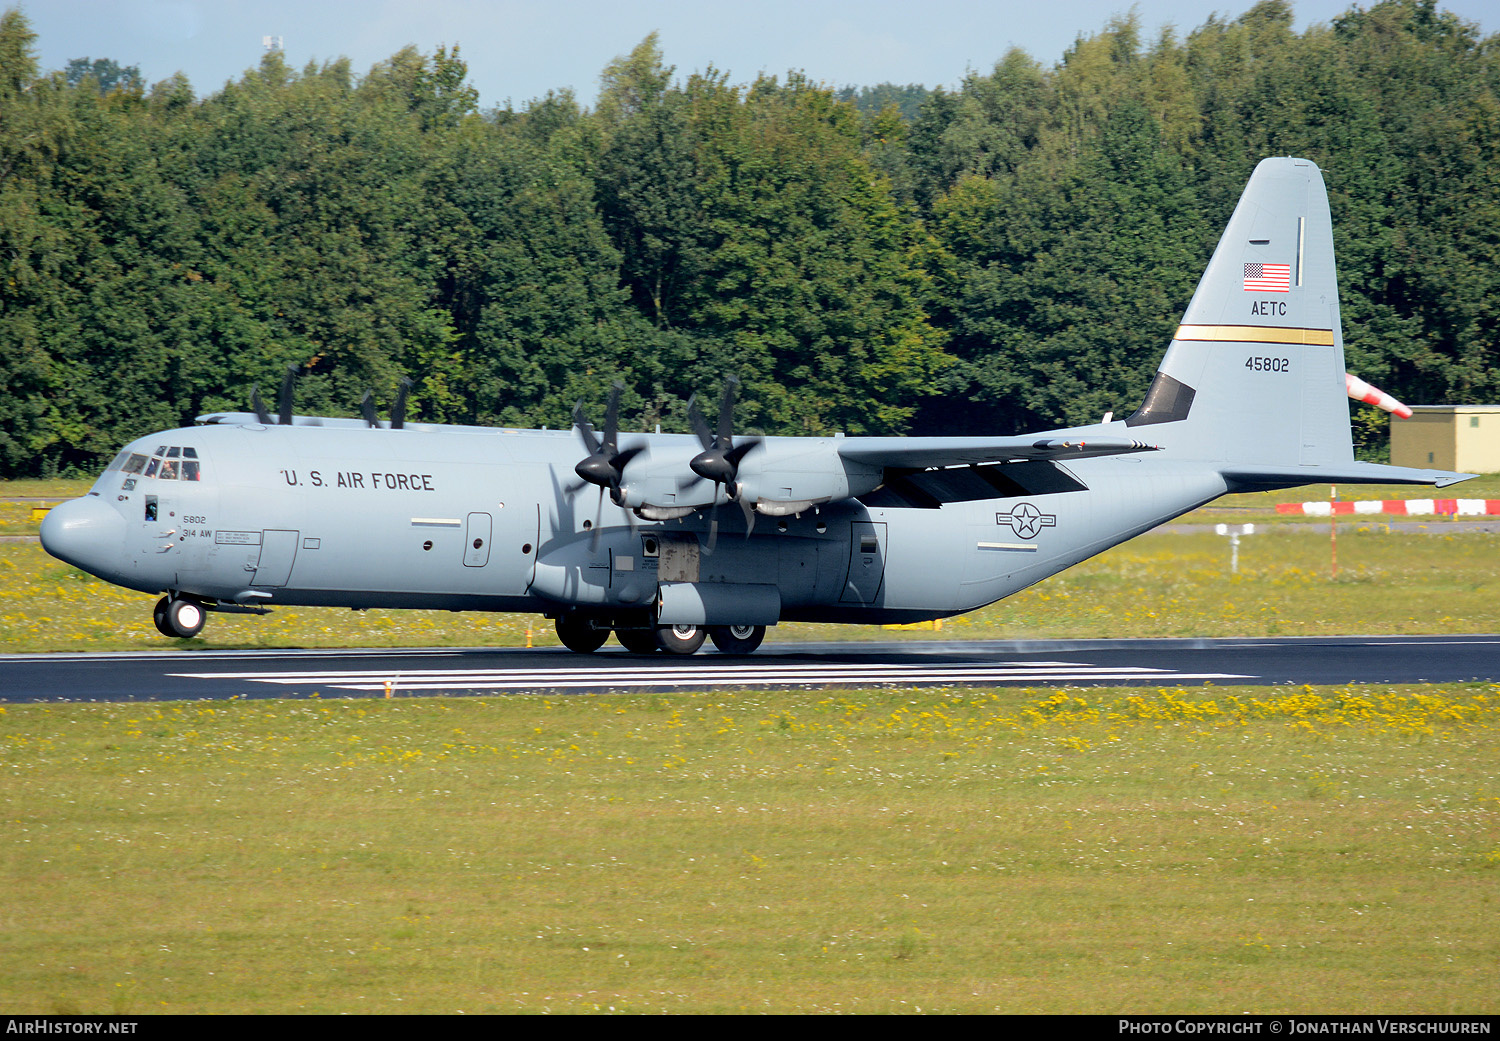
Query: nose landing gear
x=179, y=618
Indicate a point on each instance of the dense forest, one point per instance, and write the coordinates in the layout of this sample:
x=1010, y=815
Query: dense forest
x=1008, y=255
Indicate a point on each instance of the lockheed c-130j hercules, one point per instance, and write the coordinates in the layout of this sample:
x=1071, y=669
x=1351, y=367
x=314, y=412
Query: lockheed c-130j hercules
x=713, y=534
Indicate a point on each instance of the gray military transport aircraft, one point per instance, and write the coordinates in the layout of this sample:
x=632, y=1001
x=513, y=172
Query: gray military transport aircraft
x=247, y=511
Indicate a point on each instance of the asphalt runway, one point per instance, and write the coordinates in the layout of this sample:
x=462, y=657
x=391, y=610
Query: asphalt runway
x=175, y=676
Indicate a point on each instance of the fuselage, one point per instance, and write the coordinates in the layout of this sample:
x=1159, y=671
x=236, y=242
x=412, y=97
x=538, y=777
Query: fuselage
x=494, y=520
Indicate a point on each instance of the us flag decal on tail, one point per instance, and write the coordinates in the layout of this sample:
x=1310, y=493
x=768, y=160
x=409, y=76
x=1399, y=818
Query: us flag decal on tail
x=1268, y=278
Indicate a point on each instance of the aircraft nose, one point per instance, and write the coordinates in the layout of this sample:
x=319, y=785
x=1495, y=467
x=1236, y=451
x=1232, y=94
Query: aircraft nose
x=87, y=533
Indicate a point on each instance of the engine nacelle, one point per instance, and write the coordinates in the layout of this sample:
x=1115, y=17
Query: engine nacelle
x=788, y=476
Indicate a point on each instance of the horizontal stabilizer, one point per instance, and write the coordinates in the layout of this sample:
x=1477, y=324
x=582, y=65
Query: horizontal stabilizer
x=1341, y=473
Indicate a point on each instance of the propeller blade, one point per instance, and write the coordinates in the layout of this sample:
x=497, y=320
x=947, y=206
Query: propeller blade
x=726, y=412
x=598, y=517
x=284, y=399
x=612, y=418
x=398, y=410
x=749, y=512
x=621, y=461
x=259, y=407
x=713, y=527
x=699, y=424
x=367, y=409
x=585, y=430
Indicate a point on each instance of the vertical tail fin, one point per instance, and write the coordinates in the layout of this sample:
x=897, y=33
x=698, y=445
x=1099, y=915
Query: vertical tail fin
x=1255, y=372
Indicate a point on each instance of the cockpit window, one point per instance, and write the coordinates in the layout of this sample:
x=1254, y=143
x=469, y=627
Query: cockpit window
x=170, y=463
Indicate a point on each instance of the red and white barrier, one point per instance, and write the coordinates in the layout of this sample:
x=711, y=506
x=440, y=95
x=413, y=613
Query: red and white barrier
x=1397, y=507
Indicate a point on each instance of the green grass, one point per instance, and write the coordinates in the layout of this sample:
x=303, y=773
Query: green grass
x=1208, y=851
x=54, y=488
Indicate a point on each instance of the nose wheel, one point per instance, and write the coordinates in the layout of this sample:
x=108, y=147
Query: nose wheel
x=180, y=619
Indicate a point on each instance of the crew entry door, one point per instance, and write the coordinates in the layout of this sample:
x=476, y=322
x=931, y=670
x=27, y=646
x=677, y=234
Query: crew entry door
x=866, y=563
x=278, y=551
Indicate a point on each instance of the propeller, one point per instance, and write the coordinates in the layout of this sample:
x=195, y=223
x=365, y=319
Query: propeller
x=605, y=464
x=283, y=401
x=398, y=410
x=720, y=459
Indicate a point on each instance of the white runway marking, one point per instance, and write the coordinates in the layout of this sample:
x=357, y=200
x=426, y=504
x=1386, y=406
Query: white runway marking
x=630, y=677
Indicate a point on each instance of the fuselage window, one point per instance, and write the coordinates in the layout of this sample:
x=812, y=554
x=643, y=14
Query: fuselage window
x=135, y=464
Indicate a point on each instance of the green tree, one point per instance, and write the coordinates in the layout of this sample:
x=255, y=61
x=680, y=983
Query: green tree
x=811, y=291
x=105, y=73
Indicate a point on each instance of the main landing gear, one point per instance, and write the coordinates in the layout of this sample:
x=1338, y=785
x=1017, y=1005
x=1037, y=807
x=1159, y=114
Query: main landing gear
x=579, y=634
x=179, y=618
x=583, y=636
x=737, y=639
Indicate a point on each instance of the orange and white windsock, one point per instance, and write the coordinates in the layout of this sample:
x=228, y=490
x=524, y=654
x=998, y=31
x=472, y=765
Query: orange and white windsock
x=1359, y=390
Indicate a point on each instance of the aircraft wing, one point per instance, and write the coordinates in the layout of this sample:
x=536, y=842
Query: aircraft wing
x=926, y=452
